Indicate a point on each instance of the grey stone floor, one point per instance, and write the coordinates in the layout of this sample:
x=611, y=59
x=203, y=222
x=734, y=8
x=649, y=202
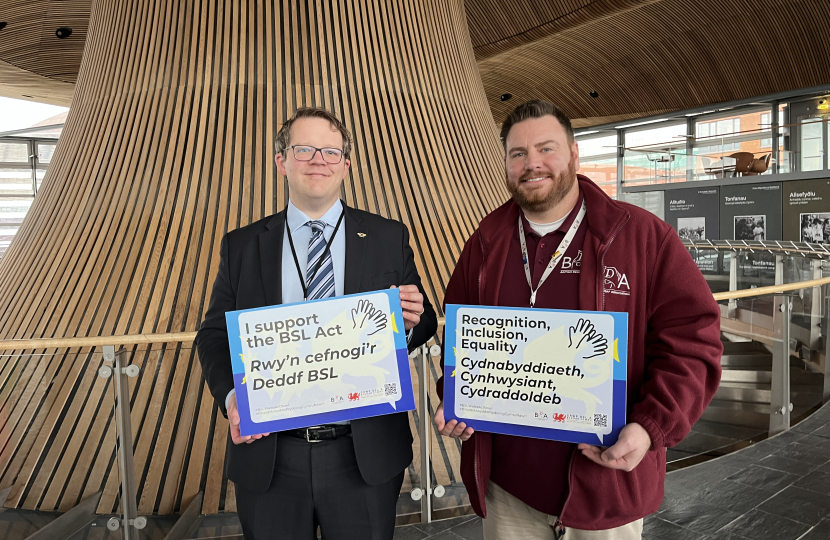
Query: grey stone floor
x=778, y=488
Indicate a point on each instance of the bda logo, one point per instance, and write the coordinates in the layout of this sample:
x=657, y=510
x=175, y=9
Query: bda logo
x=541, y=415
x=569, y=263
x=336, y=399
x=615, y=281
x=354, y=396
x=557, y=417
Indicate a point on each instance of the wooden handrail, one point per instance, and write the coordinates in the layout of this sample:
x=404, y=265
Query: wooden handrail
x=176, y=337
x=94, y=341
x=772, y=289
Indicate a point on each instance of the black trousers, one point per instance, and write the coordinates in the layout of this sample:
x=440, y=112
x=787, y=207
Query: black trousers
x=318, y=484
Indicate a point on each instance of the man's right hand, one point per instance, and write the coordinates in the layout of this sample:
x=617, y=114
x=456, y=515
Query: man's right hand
x=453, y=428
x=233, y=420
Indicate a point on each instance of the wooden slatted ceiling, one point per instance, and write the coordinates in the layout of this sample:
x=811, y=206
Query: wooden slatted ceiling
x=642, y=56
x=29, y=42
x=669, y=55
x=496, y=27
x=168, y=144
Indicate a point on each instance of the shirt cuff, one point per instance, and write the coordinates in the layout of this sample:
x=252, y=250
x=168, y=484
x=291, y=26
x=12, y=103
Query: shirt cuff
x=228, y=398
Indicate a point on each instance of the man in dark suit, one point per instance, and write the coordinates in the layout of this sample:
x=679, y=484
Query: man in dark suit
x=344, y=477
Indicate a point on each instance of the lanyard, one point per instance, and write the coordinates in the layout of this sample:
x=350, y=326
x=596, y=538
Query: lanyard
x=304, y=284
x=557, y=255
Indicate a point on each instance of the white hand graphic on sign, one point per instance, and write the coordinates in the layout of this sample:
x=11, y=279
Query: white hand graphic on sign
x=584, y=332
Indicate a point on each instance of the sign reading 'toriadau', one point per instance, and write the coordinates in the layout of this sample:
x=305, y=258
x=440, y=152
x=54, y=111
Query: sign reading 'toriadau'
x=317, y=362
x=549, y=374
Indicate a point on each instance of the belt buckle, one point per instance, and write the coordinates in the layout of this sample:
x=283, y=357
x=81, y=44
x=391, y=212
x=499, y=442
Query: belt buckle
x=308, y=436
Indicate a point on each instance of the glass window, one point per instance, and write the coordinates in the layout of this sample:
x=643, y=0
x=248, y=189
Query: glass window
x=649, y=200
x=655, y=155
x=12, y=212
x=603, y=172
x=812, y=144
x=15, y=181
x=45, y=152
x=718, y=140
x=14, y=152
x=597, y=146
x=598, y=161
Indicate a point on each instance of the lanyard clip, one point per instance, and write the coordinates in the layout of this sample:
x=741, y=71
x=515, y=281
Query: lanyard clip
x=532, y=299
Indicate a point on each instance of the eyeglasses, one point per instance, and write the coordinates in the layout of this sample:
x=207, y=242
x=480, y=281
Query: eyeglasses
x=331, y=156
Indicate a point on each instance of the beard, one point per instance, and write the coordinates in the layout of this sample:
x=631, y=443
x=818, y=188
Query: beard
x=538, y=200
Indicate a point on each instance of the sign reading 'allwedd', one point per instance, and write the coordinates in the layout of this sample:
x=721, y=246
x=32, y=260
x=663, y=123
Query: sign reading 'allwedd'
x=543, y=373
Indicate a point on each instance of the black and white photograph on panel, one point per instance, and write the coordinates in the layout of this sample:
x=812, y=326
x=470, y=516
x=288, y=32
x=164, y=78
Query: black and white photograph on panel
x=692, y=228
x=815, y=228
x=750, y=227
x=694, y=212
x=751, y=211
x=806, y=209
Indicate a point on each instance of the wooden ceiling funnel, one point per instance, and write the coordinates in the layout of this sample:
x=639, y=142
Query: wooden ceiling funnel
x=168, y=145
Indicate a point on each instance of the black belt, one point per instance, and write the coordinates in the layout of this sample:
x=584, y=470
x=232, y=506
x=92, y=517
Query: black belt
x=319, y=433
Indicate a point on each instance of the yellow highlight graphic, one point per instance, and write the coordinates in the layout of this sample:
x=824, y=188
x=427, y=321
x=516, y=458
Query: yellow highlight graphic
x=394, y=324
x=616, y=350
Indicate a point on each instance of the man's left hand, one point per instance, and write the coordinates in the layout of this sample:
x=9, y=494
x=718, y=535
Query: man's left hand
x=412, y=304
x=626, y=454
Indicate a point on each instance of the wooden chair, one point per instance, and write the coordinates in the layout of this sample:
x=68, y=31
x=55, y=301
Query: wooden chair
x=759, y=165
x=743, y=161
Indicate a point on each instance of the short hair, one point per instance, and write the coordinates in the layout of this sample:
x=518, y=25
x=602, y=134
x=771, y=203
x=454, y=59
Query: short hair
x=283, y=138
x=536, y=108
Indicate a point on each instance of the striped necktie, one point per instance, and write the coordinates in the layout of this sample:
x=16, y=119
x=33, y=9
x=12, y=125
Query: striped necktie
x=322, y=284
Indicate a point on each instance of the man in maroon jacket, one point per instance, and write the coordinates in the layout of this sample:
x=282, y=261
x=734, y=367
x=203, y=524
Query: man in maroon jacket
x=622, y=258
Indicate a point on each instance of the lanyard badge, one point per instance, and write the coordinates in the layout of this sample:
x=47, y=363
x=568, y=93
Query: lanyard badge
x=557, y=255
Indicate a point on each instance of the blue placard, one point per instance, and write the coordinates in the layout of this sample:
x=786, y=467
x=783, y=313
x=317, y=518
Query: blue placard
x=542, y=373
x=318, y=362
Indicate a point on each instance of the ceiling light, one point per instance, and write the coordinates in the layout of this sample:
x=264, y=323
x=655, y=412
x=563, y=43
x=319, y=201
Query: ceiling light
x=699, y=113
x=3, y=24
x=594, y=94
x=505, y=97
x=63, y=32
x=822, y=104
x=586, y=133
x=641, y=123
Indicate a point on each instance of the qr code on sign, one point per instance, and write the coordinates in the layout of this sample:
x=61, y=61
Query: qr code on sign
x=600, y=420
x=391, y=389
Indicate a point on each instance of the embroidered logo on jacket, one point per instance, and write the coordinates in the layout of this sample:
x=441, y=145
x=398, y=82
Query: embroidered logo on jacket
x=615, y=282
x=571, y=265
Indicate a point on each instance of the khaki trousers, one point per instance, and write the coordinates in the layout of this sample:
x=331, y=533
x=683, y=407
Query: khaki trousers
x=508, y=517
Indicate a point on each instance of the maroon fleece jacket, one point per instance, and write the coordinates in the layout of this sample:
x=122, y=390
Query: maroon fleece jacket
x=631, y=262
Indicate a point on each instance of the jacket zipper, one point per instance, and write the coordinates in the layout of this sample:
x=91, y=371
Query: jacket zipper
x=602, y=308
x=602, y=262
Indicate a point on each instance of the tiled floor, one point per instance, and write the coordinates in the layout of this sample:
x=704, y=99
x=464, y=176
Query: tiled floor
x=777, y=488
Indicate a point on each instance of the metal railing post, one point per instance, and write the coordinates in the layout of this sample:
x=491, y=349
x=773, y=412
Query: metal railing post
x=426, y=426
x=732, y=306
x=780, y=404
x=815, y=311
x=121, y=372
x=826, y=329
x=779, y=269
